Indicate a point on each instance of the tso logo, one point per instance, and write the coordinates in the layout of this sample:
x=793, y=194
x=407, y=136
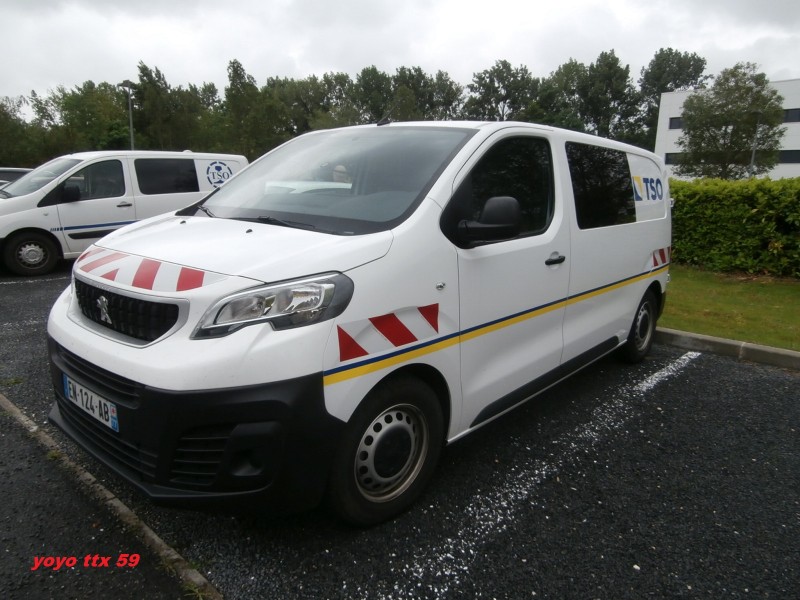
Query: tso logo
x=647, y=188
x=218, y=173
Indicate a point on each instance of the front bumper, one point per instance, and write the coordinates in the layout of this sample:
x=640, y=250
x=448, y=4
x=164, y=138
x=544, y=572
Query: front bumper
x=267, y=446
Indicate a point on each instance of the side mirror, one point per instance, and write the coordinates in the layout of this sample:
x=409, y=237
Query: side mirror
x=71, y=193
x=499, y=220
x=61, y=194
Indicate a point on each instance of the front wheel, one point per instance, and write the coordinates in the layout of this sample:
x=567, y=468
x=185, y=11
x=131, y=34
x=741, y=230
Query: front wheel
x=30, y=253
x=643, y=330
x=388, y=453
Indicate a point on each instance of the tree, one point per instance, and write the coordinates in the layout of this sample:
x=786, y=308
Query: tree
x=733, y=129
x=558, y=102
x=303, y=100
x=608, y=100
x=257, y=120
x=448, y=98
x=373, y=94
x=668, y=71
x=18, y=150
x=339, y=108
x=419, y=96
x=501, y=93
x=152, y=112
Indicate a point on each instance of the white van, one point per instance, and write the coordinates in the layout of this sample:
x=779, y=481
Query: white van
x=59, y=209
x=323, y=324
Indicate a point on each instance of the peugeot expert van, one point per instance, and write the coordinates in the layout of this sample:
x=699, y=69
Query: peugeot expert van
x=321, y=326
x=59, y=209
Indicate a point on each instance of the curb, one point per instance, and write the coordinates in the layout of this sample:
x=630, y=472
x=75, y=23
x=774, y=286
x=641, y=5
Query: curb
x=191, y=578
x=776, y=357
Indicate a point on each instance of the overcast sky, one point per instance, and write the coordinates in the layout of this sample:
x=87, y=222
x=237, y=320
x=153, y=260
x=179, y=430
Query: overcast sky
x=48, y=43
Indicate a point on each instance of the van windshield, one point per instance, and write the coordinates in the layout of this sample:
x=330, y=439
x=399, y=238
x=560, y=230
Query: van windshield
x=344, y=181
x=39, y=177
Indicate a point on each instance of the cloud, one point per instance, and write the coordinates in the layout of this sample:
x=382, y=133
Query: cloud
x=192, y=41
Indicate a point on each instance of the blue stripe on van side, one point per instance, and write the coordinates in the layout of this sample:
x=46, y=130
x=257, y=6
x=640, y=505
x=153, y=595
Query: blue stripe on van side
x=95, y=225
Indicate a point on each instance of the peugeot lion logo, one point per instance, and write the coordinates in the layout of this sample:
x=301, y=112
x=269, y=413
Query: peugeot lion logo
x=102, y=304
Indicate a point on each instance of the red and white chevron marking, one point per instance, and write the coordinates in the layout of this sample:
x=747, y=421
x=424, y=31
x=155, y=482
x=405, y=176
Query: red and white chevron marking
x=387, y=332
x=661, y=257
x=143, y=273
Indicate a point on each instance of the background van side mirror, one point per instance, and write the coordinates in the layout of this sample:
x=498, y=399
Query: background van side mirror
x=71, y=193
x=499, y=220
x=61, y=194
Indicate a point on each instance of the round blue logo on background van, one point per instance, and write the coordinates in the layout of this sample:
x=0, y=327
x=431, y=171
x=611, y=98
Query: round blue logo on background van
x=218, y=173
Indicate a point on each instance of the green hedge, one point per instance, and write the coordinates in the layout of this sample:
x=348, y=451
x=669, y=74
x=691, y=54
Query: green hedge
x=751, y=226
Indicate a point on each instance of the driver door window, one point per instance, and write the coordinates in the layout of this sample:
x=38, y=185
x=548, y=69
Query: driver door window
x=100, y=180
x=520, y=167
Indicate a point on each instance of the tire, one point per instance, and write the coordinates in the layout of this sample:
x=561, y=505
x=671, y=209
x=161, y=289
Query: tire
x=30, y=253
x=388, y=453
x=643, y=330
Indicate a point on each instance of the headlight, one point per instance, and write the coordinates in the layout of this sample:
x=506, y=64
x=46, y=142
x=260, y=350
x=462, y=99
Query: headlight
x=282, y=305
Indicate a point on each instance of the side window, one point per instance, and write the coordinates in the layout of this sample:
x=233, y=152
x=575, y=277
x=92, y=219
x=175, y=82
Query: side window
x=100, y=180
x=518, y=167
x=166, y=175
x=601, y=184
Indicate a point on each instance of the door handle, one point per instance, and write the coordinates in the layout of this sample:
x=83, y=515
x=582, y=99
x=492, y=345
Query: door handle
x=555, y=259
x=124, y=205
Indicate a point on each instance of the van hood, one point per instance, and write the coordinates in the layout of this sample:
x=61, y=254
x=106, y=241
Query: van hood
x=262, y=252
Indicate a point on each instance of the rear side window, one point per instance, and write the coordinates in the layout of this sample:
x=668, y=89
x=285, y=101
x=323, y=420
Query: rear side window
x=601, y=184
x=166, y=175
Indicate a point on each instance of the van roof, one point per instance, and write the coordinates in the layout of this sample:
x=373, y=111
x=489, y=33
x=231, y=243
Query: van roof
x=153, y=154
x=488, y=127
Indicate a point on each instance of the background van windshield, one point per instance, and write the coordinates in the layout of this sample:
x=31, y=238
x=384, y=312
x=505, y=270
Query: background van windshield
x=346, y=181
x=39, y=177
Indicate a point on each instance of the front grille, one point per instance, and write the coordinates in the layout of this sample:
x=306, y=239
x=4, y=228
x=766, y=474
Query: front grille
x=140, y=460
x=139, y=319
x=108, y=384
x=199, y=454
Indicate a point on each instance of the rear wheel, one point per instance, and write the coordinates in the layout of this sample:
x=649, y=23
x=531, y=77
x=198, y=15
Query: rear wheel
x=643, y=330
x=388, y=454
x=30, y=253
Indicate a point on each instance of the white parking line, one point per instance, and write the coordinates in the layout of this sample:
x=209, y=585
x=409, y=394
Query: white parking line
x=18, y=324
x=492, y=513
x=35, y=280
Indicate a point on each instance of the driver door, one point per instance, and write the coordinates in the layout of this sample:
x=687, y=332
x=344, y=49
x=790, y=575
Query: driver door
x=512, y=292
x=103, y=203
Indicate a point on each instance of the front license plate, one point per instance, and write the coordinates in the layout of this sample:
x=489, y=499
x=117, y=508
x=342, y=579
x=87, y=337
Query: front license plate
x=90, y=403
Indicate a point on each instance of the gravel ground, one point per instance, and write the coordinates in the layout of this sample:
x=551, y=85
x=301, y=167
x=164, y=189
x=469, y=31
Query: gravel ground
x=675, y=478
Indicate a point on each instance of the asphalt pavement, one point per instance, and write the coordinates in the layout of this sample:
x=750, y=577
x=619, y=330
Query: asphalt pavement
x=59, y=539
x=680, y=478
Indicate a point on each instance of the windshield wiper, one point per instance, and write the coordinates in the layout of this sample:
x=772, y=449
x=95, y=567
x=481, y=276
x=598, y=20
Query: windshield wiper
x=275, y=221
x=207, y=211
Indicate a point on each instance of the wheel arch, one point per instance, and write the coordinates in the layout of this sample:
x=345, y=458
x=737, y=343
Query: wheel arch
x=655, y=287
x=433, y=379
x=36, y=230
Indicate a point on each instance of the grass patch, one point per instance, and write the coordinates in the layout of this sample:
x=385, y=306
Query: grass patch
x=761, y=310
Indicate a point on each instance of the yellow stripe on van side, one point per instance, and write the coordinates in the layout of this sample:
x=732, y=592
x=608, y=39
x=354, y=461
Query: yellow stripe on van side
x=370, y=366
x=360, y=369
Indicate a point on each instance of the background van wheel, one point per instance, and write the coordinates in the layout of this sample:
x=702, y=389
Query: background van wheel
x=388, y=453
x=643, y=330
x=30, y=254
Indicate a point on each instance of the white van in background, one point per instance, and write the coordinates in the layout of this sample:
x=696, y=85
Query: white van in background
x=355, y=299
x=59, y=209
